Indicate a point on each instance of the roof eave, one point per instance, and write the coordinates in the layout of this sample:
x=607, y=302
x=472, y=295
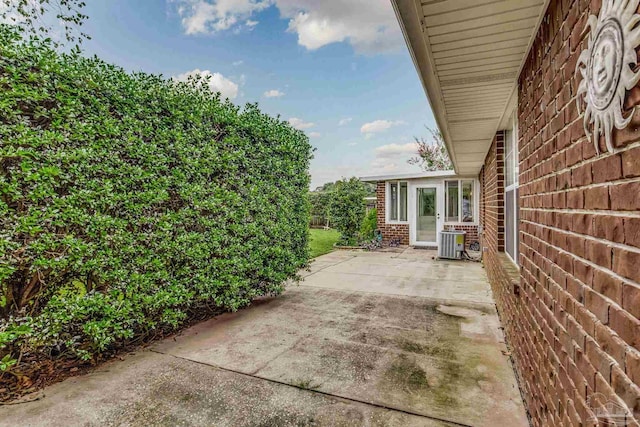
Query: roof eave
x=419, y=175
x=410, y=25
x=410, y=18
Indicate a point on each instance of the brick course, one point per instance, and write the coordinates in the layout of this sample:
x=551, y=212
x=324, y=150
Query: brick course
x=571, y=312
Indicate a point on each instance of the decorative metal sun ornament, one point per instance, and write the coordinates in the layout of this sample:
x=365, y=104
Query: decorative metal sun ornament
x=607, y=66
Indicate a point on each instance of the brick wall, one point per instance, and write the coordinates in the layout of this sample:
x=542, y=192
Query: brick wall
x=492, y=196
x=571, y=318
x=389, y=231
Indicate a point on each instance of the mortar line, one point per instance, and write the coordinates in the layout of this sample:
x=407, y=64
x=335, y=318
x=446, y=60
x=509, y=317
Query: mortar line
x=323, y=393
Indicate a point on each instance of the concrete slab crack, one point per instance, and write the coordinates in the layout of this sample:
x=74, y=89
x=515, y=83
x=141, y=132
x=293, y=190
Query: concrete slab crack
x=332, y=265
x=330, y=395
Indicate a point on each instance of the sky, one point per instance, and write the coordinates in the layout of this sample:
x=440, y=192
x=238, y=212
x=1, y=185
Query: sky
x=337, y=69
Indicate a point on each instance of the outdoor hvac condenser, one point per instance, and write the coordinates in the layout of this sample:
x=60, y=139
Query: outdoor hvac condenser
x=451, y=244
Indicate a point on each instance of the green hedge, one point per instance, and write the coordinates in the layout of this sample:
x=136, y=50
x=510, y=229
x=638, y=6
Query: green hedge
x=347, y=208
x=128, y=201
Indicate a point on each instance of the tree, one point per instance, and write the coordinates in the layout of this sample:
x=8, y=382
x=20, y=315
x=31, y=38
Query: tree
x=369, y=224
x=347, y=207
x=320, y=206
x=129, y=203
x=43, y=18
x=432, y=156
x=330, y=186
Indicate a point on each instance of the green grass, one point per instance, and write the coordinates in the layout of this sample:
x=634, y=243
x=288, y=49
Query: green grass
x=321, y=241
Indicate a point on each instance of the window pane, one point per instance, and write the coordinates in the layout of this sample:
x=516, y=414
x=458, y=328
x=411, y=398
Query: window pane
x=393, y=201
x=516, y=249
x=426, y=216
x=403, y=201
x=509, y=223
x=508, y=171
x=508, y=157
x=451, y=213
x=511, y=155
x=467, y=201
x=516, y=156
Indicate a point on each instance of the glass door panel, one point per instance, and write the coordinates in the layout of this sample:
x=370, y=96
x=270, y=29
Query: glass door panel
x=426, y=215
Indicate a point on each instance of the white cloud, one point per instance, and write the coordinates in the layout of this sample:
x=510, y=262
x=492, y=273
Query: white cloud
x=370, y=26
x=300, y=124
x=237, y=63
x=379, y=126
x=216, y=82
x=392, y=158
x=345, y=121
x=384, y=160
x=273, y=93
x=393, y=150
x=314, y=134
x=211, y=16
x=251, y=23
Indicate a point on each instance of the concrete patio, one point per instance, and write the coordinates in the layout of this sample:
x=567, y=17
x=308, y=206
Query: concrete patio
x=382, y=338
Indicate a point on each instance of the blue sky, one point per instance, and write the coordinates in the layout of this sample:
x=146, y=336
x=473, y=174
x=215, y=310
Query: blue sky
x=337, y=69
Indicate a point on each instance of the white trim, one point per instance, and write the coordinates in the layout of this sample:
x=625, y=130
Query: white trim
x=387, y=203
x=513, y=187
x=405, y=176
x=509, y=110
x=514, y=89
x=439, y=184
x=413, y=217
x=410, y=16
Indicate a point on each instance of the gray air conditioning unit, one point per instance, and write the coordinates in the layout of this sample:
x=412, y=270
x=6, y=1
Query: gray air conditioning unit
x=451, y=244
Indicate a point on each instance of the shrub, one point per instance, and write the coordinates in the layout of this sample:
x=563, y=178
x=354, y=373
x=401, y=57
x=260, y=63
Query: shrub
x=369, y=225
x=432, y=156
x=128, y=201
x=320, y=201
x=347, y=208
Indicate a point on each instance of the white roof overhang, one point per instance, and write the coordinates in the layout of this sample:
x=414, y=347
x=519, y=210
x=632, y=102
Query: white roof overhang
x=416, y=175
x=469, y=54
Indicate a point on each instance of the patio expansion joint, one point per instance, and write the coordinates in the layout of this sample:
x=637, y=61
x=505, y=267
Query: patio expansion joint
x=265, y=364
x=318, y=392
x=446, y=301
x=390, y=275
x=328, y=266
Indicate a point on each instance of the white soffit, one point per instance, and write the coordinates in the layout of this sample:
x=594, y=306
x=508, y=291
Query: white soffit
x=469, y=54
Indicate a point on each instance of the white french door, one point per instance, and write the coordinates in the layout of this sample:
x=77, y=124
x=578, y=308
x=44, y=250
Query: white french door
x=426, y=219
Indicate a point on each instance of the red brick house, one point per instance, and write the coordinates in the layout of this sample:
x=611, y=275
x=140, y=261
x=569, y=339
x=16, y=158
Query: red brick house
x=535, y=99
x=414, y=208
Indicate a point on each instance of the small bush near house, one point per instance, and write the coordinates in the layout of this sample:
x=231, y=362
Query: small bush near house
x=347, y=209
x=369, y=225
x=129, y=202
